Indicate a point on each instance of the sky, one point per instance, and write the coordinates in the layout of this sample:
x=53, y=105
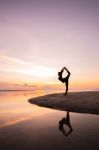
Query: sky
x=39, y=37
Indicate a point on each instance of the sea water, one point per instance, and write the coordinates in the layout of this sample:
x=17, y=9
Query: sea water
x=24, y=126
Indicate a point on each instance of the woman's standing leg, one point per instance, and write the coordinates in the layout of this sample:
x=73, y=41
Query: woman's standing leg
x=66, y=84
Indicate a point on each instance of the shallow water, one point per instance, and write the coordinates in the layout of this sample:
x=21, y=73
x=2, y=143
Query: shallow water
x=29, y=127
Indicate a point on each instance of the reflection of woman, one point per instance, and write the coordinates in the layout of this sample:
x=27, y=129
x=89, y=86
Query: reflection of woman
x=65, y=121
x=64, y=80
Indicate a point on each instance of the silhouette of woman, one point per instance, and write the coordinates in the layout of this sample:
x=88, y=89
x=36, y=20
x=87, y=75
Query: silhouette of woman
x=65, y=121
x=64, y=80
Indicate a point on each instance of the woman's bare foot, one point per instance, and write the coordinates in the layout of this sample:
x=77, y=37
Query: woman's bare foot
x=65, y=93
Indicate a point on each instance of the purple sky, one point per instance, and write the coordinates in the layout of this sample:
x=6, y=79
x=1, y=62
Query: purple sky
x=49, y=34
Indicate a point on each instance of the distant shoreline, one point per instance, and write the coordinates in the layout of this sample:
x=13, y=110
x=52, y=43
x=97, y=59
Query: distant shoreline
x=75, y=91
x=14, y=90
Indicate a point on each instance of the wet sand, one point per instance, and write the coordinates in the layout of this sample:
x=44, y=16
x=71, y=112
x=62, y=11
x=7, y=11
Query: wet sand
x=82, y=102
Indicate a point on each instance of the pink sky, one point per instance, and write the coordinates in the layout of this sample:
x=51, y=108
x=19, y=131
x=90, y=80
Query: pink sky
x=39, y=37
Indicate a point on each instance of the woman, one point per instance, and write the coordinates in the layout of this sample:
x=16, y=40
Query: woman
x=64, y=80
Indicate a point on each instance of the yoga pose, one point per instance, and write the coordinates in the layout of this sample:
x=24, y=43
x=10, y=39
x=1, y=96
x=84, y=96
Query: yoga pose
x=64, y=80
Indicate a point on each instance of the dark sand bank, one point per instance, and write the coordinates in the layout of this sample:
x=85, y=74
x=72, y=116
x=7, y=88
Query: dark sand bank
x=82, y=102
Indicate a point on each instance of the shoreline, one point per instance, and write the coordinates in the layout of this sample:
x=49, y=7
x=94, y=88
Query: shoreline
x=79, y=102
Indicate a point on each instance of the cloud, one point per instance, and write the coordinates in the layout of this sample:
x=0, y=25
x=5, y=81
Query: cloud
x=11, y=64
x=13, y=60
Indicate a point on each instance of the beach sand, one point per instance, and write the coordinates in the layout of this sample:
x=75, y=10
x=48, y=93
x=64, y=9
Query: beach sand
x=81, y=102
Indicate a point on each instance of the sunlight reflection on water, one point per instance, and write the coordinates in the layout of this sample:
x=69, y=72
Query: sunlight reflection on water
x=14, y=107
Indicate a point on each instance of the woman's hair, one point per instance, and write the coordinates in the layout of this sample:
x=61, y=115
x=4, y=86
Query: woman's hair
x=59, y=73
